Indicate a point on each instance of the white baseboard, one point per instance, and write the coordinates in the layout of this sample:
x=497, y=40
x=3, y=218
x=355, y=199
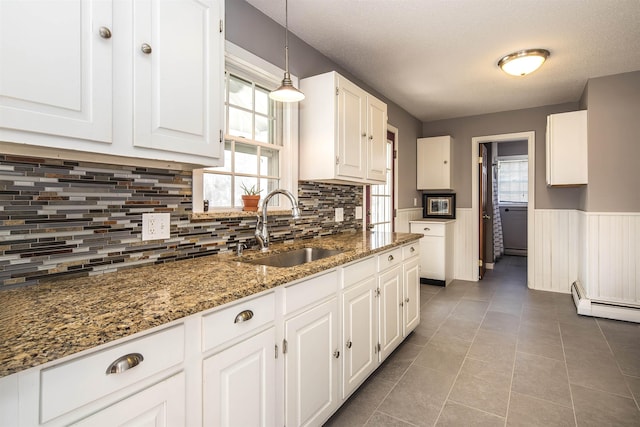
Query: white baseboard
x=587, y=307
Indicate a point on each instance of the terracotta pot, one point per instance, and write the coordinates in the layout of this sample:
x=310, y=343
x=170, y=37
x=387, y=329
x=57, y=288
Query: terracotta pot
x=250, y=202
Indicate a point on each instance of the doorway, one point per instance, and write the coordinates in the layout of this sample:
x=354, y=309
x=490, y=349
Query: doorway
x=529, y=137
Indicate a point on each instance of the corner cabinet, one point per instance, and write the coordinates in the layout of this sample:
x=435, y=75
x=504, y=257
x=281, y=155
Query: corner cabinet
x=120, y=78
x=434, y=163
x=343, y=132
x=566, y=149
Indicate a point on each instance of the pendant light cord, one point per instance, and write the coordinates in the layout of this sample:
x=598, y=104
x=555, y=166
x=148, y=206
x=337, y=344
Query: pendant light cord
x=286, y=37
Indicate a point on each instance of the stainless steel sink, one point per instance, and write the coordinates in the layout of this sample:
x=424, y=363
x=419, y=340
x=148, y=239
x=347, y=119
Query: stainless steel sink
x=295, y=257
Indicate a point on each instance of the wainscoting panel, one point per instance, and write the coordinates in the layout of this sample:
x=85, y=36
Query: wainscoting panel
x=612, y=258
x=464, y=266
x=557, y=249
x=406, y=215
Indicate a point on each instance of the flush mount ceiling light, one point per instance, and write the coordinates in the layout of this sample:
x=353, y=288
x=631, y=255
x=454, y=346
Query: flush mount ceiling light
x=287, y=92
x=523, y=62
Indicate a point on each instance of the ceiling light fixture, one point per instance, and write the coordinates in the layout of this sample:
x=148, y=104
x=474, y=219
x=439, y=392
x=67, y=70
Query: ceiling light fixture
x=523, y=62
x=287, y=92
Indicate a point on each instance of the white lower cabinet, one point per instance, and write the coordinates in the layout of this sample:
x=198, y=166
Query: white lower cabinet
x=436, y=250
x=288, y=356
x=162, y=404
x=359, y=332
x=239, y=384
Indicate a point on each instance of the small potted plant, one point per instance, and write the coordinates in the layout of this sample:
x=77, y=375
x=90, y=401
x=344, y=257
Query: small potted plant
x=250, y=198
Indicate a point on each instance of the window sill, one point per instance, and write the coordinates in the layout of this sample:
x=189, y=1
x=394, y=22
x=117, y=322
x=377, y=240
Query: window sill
x=234, y=213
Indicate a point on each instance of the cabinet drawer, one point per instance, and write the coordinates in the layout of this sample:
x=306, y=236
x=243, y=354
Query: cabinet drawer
x=310, y=291
x=234, y=321
x=428, y=229
x=70, y=385
x=411, y=250
x=389, y=259
x=359, y=271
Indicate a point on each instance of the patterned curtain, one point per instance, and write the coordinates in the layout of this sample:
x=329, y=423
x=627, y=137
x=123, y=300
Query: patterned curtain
x=498, y=243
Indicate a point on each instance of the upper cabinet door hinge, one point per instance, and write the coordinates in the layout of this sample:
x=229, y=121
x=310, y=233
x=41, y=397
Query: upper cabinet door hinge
x=284, y=346
x=337, y=91
x=337, y=160
x=220, y=135
x=276, y=350
x=221, y=25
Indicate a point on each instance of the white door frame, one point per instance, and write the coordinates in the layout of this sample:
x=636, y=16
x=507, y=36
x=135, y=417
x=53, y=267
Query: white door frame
x=530, y=136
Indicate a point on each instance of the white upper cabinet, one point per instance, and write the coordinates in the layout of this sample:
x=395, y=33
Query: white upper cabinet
x=138, y=79
x=56, y=59
x=566, y=148
x=434, y=163
x=343, y=132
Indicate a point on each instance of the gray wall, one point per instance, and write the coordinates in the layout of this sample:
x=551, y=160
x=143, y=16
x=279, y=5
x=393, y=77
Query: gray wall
x=513, y=148
x=250, y=29
x=465, y=128
x=613, y=104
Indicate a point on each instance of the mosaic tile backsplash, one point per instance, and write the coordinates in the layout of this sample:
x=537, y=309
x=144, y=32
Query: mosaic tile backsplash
x=62, y=218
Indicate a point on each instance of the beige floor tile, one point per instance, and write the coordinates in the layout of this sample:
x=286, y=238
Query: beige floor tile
x=634, y=386
x=540, y=342
x=462, y=329
x=596, y=369
x=597, y=408
x=443, y=353
x=383, y=420
x=489, y=345
x=528, y=411
x=358, y=409
x=455, y=415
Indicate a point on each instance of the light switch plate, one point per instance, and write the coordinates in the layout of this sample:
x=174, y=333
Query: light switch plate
x=339, y=214
x=358, y=212
x=156, y=226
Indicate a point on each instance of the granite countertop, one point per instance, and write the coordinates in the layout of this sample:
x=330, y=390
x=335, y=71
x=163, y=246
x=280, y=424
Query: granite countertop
x=45, y=322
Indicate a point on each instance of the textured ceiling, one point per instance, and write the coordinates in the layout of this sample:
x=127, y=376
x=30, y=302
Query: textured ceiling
x=437, y=58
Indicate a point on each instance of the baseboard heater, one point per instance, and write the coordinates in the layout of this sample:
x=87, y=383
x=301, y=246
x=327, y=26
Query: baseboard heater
x=436, y=282
x=606, y=309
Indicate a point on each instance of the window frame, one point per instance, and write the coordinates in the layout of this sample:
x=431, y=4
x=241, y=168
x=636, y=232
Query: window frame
x=244, y=64
x=524, y=158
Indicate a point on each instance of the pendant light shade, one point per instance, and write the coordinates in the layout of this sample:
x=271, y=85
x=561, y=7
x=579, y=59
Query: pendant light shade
x=523, y=62
x=287, y=92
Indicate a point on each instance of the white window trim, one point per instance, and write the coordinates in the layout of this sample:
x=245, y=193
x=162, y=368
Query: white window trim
x=507, y=158
x=239, y=58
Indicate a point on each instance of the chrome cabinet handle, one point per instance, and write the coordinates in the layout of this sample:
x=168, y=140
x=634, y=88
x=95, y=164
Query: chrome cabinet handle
x=427, y=229
x=406, y=300
x=145, y=48
x=336, y=354
x=412, y=249
x=243, y=316
x=124, y=363
x=349, y=344
x=104, y=32
x=390, y=258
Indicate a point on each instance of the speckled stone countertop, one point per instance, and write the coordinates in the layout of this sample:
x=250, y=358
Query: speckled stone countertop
x=45, y=322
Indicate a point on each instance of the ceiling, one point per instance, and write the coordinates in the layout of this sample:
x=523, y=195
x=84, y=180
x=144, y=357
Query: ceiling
x=437, y=58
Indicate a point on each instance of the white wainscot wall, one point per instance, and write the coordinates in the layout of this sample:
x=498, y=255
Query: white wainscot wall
x=403, y=218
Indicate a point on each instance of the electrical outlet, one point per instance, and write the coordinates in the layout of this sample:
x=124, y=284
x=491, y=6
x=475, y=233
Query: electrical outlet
x=358, y=212
x=156, y=226
x=415, y=201
x=339, y=214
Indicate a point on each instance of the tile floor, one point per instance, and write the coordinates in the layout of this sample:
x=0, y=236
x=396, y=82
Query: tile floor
x=494, y=353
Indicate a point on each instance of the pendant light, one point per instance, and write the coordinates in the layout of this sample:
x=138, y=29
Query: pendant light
x=287, y=92
x=523, y=62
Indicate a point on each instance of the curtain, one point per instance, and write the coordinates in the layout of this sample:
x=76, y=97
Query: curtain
x=498, y=242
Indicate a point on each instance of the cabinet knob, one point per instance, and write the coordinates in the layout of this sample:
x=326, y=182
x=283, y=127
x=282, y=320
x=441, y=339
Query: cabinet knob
x=406, y=300
x=427, y=229
x=243, y=316
x=412, y=249
x=349, y=344
x=336, y=354
x=104, y=32
x=390, y=258
x=364, y=135
x=371, y=137
x=445, y=162
x=145, y=48
x=124, y=363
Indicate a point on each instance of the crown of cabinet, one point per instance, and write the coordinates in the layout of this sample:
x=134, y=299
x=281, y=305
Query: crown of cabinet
x=343, y=132
x=434, y=166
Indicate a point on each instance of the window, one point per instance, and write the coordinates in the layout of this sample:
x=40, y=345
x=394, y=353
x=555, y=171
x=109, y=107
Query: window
x=513, y=179
x=259, y=136
x=380, y=196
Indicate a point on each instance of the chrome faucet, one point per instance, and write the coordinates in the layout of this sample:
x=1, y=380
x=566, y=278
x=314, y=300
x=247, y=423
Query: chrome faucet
x=262, y=232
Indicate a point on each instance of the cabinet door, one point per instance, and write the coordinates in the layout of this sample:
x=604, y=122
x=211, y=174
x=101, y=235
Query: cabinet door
x=566, y=148
x=432, y=257
x=360, y=322
x=434, y=163
x=162, y=404
x=351, y=130
x=411, y=283
x=390, y=313
x=178, y=81
x=376, y=140
x=56, y=70
x=239, y=384
x=311, y=365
